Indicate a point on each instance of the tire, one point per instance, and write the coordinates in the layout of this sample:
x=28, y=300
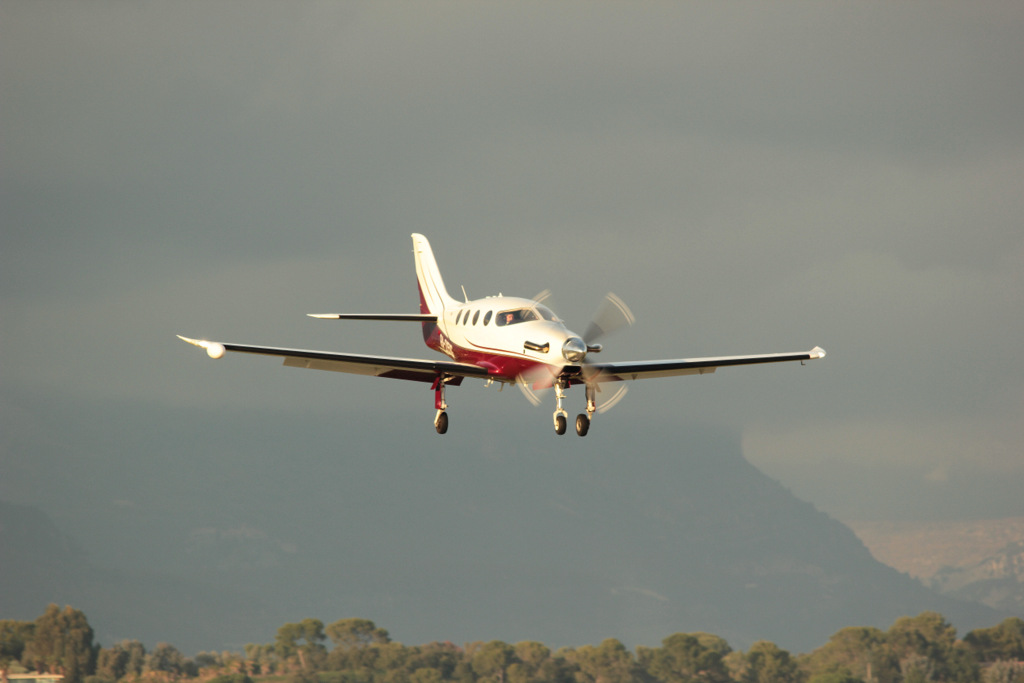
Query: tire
x=582, y=424
x=560, y=424
x=441, y=423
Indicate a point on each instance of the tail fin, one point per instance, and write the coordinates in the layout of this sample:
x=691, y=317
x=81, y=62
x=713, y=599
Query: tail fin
x=433, y=295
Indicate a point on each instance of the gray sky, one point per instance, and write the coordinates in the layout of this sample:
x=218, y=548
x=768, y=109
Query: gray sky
x=749, y=177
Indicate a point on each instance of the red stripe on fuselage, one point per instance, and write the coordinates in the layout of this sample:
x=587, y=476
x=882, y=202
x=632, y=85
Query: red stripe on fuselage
x=499, y=365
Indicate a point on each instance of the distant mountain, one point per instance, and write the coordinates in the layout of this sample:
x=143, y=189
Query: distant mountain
x=996, y=580
x=640, y=547
x=40, y=564
x=922, y=548
x=522, y=541
x=978, y=561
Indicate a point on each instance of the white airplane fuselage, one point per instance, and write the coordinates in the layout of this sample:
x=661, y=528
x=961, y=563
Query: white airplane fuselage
x=491, y=334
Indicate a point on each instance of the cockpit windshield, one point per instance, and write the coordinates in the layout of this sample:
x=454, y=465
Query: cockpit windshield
x=522, y=315
x=547, y=313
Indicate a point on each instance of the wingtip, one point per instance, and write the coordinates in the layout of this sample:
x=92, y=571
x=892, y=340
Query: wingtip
x=817, y=352
x=213, y=349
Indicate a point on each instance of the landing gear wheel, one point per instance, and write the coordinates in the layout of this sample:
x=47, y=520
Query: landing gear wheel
x=560, y=424
x=441, y=422
x=582, y=424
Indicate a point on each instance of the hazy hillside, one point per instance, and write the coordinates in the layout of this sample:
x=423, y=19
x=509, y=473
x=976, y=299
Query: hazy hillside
x=525, y=541
x=996, y=580
x=40, y=565
x=923, y=548
x=980, y=561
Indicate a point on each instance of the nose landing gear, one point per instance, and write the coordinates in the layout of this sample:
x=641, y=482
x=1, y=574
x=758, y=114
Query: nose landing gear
x=560, y=423
x=561, y=417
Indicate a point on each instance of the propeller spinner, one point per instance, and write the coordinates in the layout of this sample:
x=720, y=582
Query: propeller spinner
x=611, y=316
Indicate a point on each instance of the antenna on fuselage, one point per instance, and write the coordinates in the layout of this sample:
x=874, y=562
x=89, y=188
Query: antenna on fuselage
x=465, y=297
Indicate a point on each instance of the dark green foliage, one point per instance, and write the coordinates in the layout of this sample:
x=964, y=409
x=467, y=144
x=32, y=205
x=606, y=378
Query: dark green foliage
x=301, y=644
x=231, y=678
x=609, y=662
x=62, y=642
x=1002, y=642
x=835, y=677
x=125, y=658
x=348, y=634
x=13, y=637
x=533, y=662
x=921, y=649
x=346, y=676
x=925, y=646
x=767, y=663
x=491, y=660
x=687, y=657
x=856, y=652
x=261, y=659
x=913, y=650
x=167, y=662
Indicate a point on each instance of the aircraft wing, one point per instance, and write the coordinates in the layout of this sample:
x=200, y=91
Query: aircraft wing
x=357, y=364
x=630, y=370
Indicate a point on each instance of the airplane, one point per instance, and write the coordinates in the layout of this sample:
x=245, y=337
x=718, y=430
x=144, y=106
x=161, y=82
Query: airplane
x=505, y=340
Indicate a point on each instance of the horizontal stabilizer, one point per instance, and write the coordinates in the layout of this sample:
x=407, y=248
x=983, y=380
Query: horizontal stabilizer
x=408, y=317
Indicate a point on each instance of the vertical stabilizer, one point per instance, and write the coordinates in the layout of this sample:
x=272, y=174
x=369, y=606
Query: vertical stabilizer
x=433, y=295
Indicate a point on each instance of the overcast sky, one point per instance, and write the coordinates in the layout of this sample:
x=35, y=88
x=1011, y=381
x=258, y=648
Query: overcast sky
x=749, y=177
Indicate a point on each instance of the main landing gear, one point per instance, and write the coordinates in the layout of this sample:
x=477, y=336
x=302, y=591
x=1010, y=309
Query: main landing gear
x=441, y=418
x=561, y=417
x=441, y=422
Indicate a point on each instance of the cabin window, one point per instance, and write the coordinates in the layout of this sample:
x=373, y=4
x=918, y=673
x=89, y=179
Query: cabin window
x=458, y=317
x=519, y=315
x=476, y=316
x=487, y=317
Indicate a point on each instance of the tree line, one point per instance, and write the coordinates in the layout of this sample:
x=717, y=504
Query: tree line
x=917, y=649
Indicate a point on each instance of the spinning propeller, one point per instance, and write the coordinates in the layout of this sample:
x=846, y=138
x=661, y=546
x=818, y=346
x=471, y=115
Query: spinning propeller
x=611, y=316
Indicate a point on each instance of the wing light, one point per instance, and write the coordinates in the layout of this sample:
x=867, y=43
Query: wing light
x=213, y=349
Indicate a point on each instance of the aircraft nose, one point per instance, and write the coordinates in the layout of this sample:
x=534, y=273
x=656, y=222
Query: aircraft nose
x=574, y=350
